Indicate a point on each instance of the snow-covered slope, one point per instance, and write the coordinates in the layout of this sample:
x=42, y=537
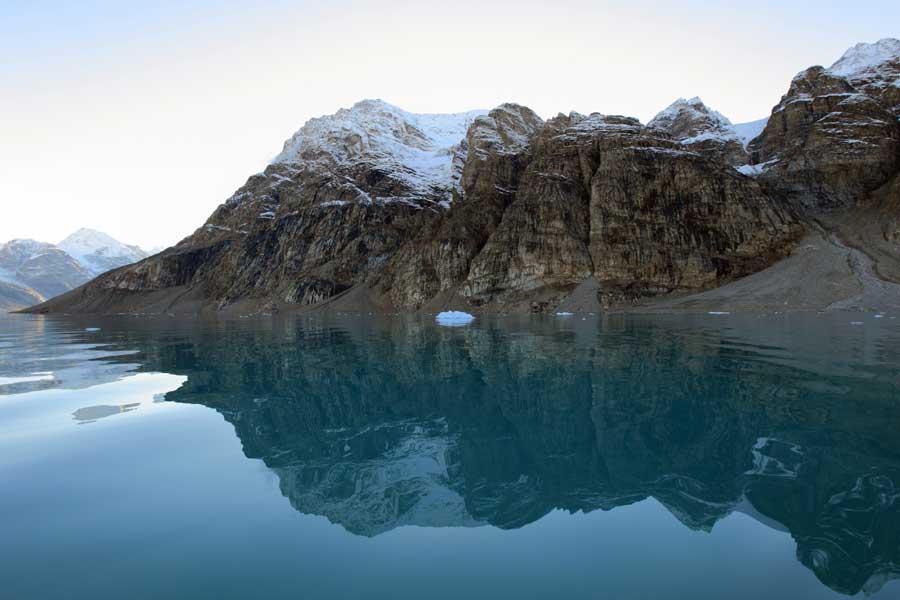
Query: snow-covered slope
x=747, y=131
x=691, y=121
x=865, y=59
x=873, y=69
x=97, y=252
x=702, y=129
x=423, y=151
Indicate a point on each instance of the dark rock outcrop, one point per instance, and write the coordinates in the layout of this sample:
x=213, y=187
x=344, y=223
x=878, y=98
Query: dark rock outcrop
x=436, y=261
x=874, y=69
x=834, y=138
x=604, y=197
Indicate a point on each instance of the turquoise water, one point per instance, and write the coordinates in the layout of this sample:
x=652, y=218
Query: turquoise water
x=703, y=457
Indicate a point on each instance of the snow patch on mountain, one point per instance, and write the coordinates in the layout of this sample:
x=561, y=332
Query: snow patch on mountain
x=747, y=132
x=694, y=109
x=867, y=59
x=691, y=121
x=417, y=149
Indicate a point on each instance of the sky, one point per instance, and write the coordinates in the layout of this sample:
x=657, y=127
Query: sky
x=139, y=118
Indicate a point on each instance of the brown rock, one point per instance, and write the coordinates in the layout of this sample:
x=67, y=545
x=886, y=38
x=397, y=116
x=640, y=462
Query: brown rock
x=827, y=145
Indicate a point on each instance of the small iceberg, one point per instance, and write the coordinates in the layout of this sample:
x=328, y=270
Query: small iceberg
x=454, y=318
x=564, y=314
x=26, y=379
x=719, y=312
x=92, y=329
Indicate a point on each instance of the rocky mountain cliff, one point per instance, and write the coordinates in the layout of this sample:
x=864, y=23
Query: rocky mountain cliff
x=376, y=208
x=702, y=130
x=834, y=138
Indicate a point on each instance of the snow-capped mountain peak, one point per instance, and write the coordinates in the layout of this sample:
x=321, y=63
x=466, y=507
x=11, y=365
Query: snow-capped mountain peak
x=687, y=119
x=417, y=149
x=864, y=58
x=874, y=70
x=39, y=270
x=692, y=121
x=99, y=252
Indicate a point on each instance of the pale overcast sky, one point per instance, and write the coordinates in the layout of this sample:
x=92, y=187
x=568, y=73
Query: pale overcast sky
x=139, y=118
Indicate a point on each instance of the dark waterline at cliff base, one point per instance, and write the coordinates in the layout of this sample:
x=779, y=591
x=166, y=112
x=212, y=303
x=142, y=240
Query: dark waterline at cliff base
x=702, y=456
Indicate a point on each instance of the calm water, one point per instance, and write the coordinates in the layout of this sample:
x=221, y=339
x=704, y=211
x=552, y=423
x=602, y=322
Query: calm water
x=700, y=457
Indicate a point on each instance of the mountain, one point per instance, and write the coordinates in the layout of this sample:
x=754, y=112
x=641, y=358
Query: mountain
x=420, y=154
x=701, y=129
x=98, y=252
x=834, y=138
x=14, y=297
x=32, y=272
x=874, y=69
x=43, y=268
x=379, y=209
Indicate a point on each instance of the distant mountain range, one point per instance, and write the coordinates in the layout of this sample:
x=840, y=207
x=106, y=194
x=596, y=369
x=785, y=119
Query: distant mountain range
x=32, y=272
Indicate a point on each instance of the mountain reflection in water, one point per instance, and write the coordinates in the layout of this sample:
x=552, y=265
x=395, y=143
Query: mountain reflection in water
x=377, y=425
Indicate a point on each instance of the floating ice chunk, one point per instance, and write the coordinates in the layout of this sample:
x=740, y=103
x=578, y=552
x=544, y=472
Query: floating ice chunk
x=92, y=329
x=879, y=316
x=454, y=318
x=719, y=312
x=564, y=314
x=856, y=322
x=26, y=379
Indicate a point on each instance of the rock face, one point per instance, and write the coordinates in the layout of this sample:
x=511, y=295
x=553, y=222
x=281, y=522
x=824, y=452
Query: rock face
x=402, y=209
x=439, y=259
x=604, y=198
x=874, y=69
x=701, y=129
x=834, y=138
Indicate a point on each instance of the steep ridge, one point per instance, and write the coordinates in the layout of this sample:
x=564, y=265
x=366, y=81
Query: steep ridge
x=605, y=198
x=834, y=138
x=518, y=215
x=435, y=262
x=873, y=69
x=377, y=208
x=702, y=130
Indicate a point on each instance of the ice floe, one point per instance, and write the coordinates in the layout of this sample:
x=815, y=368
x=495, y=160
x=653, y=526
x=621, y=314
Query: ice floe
x=454, y=318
